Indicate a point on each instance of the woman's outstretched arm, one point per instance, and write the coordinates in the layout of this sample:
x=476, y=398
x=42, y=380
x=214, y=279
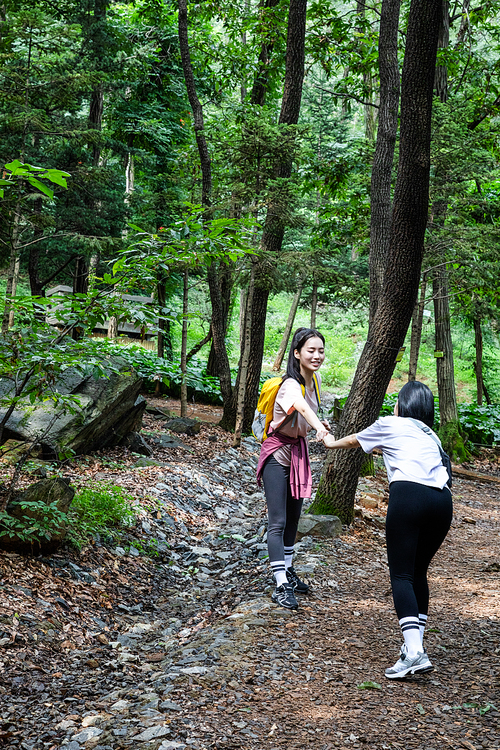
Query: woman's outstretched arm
x=349, y=441
x=303, y=408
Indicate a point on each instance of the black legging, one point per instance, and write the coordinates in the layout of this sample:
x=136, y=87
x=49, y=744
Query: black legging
x=418, y=519
x=282, y=510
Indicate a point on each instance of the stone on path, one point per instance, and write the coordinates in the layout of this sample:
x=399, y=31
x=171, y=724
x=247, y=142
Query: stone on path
x=319, y=526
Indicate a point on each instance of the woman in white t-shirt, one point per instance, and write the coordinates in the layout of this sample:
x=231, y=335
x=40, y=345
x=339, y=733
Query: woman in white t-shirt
x=419, y=513
x=284, y=459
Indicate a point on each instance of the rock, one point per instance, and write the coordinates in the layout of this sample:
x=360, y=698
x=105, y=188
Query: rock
x=319, y=526
x=172, y=745
x=13, y=450
x=136, y=443
x=183, y=426
x=143, y=463
x=109, y=409
x=367, y=501
x=152, y=733
x=44, y=492
x=86, y=734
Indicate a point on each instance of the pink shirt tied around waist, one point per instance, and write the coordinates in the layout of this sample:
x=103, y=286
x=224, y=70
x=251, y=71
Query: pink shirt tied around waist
x=300, y=467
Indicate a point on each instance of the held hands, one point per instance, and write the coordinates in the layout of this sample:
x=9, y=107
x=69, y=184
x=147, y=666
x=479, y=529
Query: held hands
x=328, y=440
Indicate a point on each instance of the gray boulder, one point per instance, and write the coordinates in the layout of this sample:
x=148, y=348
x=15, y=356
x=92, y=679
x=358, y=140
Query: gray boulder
x=319, y=526
x=55, y=492
x=183, y=426
x=108, y=409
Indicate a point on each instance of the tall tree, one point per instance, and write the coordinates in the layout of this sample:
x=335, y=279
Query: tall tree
x=409, y=218
x=381, y=180
x=274, y=225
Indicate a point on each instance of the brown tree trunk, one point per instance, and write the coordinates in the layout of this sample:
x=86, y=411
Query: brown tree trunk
x=96, y=109
x=288, y=329
x=240, y=406
x=416, y=330
x=226, y=278
x=314, y=304
x=268, y=35
x=185, y=311
x=444, y=364
x=10, y=290
x=389, y=326
x=380, y=223
x=441, y=80
x=274, y=226
x=478, y=365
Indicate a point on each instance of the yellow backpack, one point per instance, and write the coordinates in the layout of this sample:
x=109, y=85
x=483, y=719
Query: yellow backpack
x=265, y=407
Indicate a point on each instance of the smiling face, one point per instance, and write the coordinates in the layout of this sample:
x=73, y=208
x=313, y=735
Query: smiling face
x=311, y=355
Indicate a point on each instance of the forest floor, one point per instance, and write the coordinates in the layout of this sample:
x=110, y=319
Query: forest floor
x=110, y=648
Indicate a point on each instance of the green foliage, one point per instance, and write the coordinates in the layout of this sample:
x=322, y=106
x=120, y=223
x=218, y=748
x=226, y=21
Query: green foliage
x=101, y=510
x=153, y=368
x=480, y=423
x=49, y=520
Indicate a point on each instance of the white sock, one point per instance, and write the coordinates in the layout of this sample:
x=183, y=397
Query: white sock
x=288, y=557
x=422, y=621
x=279, y=572
x=411, y=634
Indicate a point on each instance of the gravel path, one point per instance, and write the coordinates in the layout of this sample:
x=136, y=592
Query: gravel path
x=111, y=649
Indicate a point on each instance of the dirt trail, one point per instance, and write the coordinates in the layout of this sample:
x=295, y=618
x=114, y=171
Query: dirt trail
x=223, y=667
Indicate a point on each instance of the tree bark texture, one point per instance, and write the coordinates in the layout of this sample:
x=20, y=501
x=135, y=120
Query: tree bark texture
x=389, y=326
x=10, y=292
x=314, y=304
x=444, y=365
x=380, y=223
x=240, y=406
x=268, y=32
x=274, y=227
x=185, y=311
x=288, y=329
x=196, y=108
x=225, y=275
x=96, y=109
x=478, y=365
x=416, y=330
x=441, y=81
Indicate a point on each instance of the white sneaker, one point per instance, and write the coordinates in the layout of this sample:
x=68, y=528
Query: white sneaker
x=405, y=666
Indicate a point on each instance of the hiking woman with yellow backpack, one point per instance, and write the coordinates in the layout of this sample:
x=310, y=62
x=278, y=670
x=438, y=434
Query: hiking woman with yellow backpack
x=286, y=411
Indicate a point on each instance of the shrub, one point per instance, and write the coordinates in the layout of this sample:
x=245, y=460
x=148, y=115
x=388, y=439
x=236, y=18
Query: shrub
x=99, y=510
x=481, y=423
x=153, y=368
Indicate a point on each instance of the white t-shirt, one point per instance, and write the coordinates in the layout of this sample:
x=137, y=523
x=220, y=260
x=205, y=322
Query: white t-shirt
x=409, y=454
x=287, y=395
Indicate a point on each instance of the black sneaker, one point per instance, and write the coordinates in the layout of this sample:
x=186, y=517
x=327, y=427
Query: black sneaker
x=299, y=587
x=285, y=597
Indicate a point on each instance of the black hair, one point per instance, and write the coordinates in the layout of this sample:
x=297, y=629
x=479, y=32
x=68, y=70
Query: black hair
x=415, y=400
x=300, y=337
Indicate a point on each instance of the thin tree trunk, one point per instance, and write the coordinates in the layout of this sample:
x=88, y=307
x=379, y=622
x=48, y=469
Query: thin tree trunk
x=243, y=309
x=274, y=226
x=185, y=310
x=113, y=328
x=416, y=330
x=387, y=331
x=96, y=109
x=240, y=409
x=15, y=281
x=288, y=329
x=478, y=365
x=314, y=304
x=381, y=180
x=441, y=81
x=444, y=364
x=11, y=273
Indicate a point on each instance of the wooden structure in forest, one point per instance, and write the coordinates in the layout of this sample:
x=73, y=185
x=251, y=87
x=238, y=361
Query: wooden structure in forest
x=123, y=328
